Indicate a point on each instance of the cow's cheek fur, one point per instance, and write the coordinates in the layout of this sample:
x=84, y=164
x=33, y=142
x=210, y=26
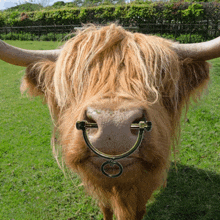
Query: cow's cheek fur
x=75, y=150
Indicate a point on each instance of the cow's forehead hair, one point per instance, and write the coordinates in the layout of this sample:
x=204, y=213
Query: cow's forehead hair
x=97, y=61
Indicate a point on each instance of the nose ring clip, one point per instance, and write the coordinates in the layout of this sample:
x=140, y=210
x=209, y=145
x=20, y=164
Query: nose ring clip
x=142, y=125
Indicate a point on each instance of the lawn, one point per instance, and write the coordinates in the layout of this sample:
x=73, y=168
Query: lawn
x=33, y=187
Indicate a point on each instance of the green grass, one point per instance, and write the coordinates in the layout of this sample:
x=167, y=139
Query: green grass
x=33, y=187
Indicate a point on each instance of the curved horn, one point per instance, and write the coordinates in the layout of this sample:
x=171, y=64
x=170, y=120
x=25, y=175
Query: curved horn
x=22, y=57
x=199, y=51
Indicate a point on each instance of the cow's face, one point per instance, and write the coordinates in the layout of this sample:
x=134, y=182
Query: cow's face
x=115, y=81
x=114, y=78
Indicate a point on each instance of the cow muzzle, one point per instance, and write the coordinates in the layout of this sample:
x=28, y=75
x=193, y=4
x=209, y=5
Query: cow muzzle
x=141, y=126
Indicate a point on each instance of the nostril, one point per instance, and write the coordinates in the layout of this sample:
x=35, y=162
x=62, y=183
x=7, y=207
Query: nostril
x=90, y=119
x=134, y=131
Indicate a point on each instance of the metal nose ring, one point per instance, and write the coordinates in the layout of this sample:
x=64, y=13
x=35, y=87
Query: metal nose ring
x=142, y=125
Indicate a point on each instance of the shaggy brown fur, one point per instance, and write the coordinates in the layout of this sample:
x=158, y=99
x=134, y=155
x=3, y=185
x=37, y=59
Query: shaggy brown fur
x=117, y=69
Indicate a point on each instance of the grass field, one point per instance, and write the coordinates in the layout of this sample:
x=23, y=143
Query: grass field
x=32, y=186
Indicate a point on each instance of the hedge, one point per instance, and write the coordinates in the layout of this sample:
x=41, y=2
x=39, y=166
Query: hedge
x=185, y=38
x=127, y=15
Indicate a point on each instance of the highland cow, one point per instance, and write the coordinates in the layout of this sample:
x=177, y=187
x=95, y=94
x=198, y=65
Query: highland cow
x=113, y=78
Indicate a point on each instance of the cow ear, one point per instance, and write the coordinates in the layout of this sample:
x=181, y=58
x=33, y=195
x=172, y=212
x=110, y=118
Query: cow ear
x=194, y=77
x=38, y=78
